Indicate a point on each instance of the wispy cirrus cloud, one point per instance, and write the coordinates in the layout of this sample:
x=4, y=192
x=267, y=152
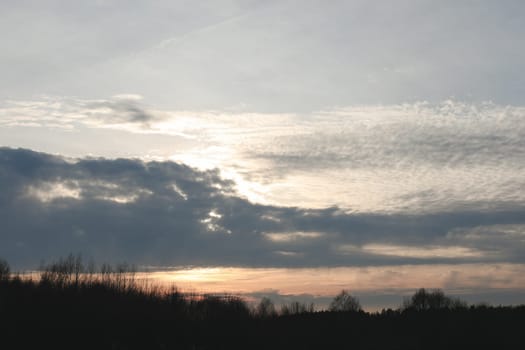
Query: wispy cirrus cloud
x=270, y=56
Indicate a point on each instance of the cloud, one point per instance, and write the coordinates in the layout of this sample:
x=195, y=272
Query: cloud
x=165, y=213
x=292, y=236
x=422, y=251
x=120, y=110
x=418, y=157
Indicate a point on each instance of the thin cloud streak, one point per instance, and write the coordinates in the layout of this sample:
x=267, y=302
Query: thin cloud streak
x=422, y=252
x=270, y=56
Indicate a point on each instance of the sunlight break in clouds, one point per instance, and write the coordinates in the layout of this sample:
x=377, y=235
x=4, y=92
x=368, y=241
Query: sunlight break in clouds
x=50, y=191
x=47, y=192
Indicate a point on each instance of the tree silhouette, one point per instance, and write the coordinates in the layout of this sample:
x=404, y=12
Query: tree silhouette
x=344, y=301
x=434, y=300
x=265, y=308
x=296, y=308
x=5, y=271
x=85, y=307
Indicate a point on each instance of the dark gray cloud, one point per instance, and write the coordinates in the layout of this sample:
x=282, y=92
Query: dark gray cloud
x=165, y=213
x=121, y=110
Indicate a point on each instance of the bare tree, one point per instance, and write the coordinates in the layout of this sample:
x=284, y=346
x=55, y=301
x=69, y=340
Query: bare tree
x=296, y=308
x=5, y=270
x=431, y=300
x=344, y=301
x=265, y=308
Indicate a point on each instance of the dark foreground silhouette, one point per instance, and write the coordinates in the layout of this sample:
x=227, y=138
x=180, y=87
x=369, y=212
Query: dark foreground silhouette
x=77, y=307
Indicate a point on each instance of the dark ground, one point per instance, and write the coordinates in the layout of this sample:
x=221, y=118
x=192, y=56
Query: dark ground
x=109, y=311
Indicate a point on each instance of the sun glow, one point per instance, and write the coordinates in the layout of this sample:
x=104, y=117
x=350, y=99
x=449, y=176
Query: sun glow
x=328, y=281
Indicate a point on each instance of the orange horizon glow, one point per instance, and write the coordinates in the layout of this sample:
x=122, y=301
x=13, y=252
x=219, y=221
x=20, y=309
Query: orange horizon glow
x=329, y=281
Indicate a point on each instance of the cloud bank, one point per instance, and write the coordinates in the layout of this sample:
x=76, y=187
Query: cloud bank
x=166, y=213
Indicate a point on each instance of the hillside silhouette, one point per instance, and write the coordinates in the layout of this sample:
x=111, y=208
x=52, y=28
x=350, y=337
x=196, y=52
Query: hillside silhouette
x=73, y=305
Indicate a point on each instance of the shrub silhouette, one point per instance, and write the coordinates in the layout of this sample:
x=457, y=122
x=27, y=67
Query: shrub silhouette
x=344, y=301
x=214, y=307
x=63, y=272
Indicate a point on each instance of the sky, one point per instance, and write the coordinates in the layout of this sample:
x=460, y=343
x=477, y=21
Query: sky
x=280, y=148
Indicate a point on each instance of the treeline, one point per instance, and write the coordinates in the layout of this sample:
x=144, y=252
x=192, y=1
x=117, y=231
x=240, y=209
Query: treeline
x=69, y=304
